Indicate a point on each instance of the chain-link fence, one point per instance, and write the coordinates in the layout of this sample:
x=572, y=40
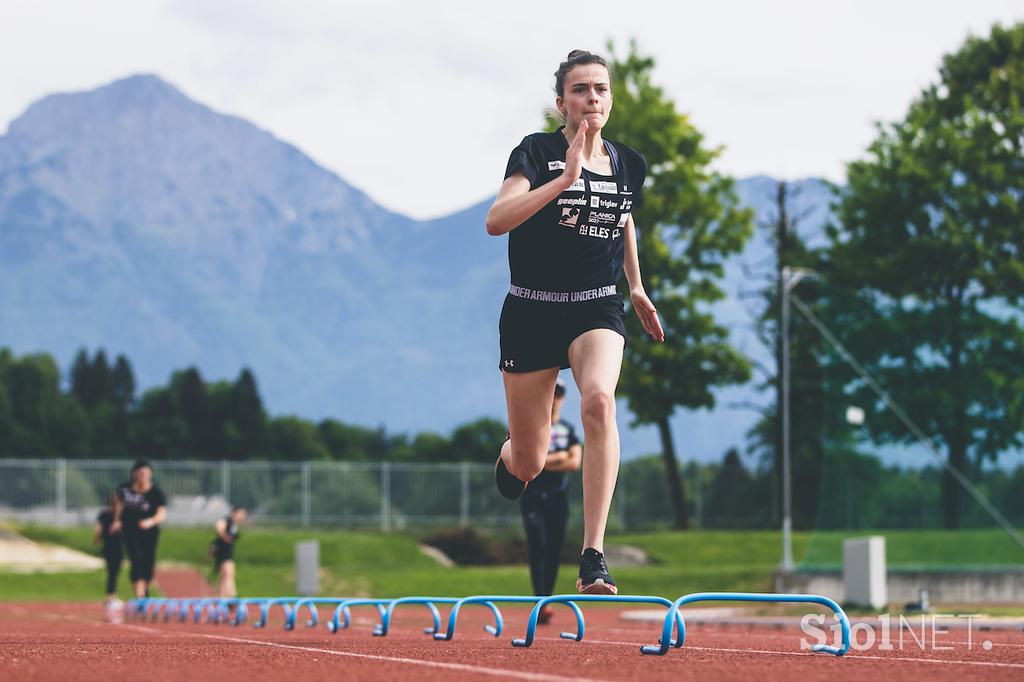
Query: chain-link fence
x=347, y=494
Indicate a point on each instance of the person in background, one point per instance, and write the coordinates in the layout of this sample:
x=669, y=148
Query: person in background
x=223, y=551
x=111, y=548
x=545, y=503
x=140, y=507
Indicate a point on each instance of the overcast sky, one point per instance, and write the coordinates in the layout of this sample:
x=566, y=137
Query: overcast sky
x=419, y=104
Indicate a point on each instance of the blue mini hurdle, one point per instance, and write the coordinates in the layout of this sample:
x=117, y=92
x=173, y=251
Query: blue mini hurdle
x=531, y=626
x=661, y=648
x=496, y=629
x=385, y=621
x=343, y=610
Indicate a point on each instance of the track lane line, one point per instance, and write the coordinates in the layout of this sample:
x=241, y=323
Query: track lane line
x=847, y=657
x=461, y=667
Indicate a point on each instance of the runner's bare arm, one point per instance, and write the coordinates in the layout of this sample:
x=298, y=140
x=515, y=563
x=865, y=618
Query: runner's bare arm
x=222, y=530
x=569, y=460
x=516, y=202
x=645, y=310
x=155, y=519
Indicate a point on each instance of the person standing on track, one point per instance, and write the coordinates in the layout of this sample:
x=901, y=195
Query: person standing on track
x=140, y=508
x=111, y=548
x=566, y=203
x=223, y=551
x=545, y=503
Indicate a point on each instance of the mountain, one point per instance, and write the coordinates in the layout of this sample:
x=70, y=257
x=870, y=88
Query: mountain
x=136, y=219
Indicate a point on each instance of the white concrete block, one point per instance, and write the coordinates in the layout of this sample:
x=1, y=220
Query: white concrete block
x=864, y=572
x=307, y=568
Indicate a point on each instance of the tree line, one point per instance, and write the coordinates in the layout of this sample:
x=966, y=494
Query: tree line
x=99, y=415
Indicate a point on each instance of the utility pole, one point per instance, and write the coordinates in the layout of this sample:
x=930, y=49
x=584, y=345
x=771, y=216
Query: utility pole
x=791, y=277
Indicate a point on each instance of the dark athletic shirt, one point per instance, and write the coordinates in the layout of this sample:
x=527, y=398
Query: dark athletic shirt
x=232, y=532
x=575, y=243
x=563, y=435
x=111, y=543
x=138, y=506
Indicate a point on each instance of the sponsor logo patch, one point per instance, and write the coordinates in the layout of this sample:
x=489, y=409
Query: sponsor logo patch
x=622, y=220
x=578, y=201
x=577, y=186
x=627, y=204
x=604, y=187
x=607, y=218
x=556, y=165
x=595, y=201
x=569, y=217
x=595, y=231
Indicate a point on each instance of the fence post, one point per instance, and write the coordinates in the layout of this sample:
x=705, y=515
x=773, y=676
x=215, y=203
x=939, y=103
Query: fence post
x=306, y=475
x=225, y=480
x=385, y=496
x=62, y=491
x=464, y=495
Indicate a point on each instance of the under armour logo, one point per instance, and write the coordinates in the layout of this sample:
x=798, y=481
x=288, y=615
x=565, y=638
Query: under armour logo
x=510, y=363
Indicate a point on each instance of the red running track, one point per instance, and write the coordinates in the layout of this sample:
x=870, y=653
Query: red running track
x=73, y=642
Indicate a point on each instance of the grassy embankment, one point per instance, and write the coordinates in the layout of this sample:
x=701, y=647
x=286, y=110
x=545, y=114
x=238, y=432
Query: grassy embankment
x=362, y=563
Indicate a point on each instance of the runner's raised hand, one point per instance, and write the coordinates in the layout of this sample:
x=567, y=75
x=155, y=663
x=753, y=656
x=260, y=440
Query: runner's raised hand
x=574, y=157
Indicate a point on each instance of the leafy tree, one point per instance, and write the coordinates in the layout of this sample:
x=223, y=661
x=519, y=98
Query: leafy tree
x=927, y=246
x=688, y=224
x=248, y=417
x=477, y=441
x=122, y=384
x=296, y=440
x=194, y=407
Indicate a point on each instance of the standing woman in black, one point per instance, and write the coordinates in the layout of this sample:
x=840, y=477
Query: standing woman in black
x=545, y=504
x=139, y=510
x=112, y=549
x=566, y=203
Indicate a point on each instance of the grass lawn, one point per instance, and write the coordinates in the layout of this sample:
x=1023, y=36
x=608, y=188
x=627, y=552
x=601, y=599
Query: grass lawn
x=390, y=564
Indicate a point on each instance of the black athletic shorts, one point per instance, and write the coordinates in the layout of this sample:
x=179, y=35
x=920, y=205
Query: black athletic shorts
x=536, y=335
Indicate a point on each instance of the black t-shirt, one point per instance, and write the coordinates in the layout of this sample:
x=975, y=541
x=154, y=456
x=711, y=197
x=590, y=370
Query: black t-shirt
x=231, y=530
x=137, y=506
x=105, y=519
x=563, y=436
x=575, y=243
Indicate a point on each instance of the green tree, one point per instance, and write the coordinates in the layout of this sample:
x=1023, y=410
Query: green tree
x=247, y=416
x=477, y=441
x=194, y=406
x=296, y=440
x=688, y=224
x=928, y=247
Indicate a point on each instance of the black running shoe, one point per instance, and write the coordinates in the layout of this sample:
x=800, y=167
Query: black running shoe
x=509, y=486
x=594, y=577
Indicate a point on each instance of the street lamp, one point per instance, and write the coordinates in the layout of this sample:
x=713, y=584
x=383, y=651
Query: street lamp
x=790, y=278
